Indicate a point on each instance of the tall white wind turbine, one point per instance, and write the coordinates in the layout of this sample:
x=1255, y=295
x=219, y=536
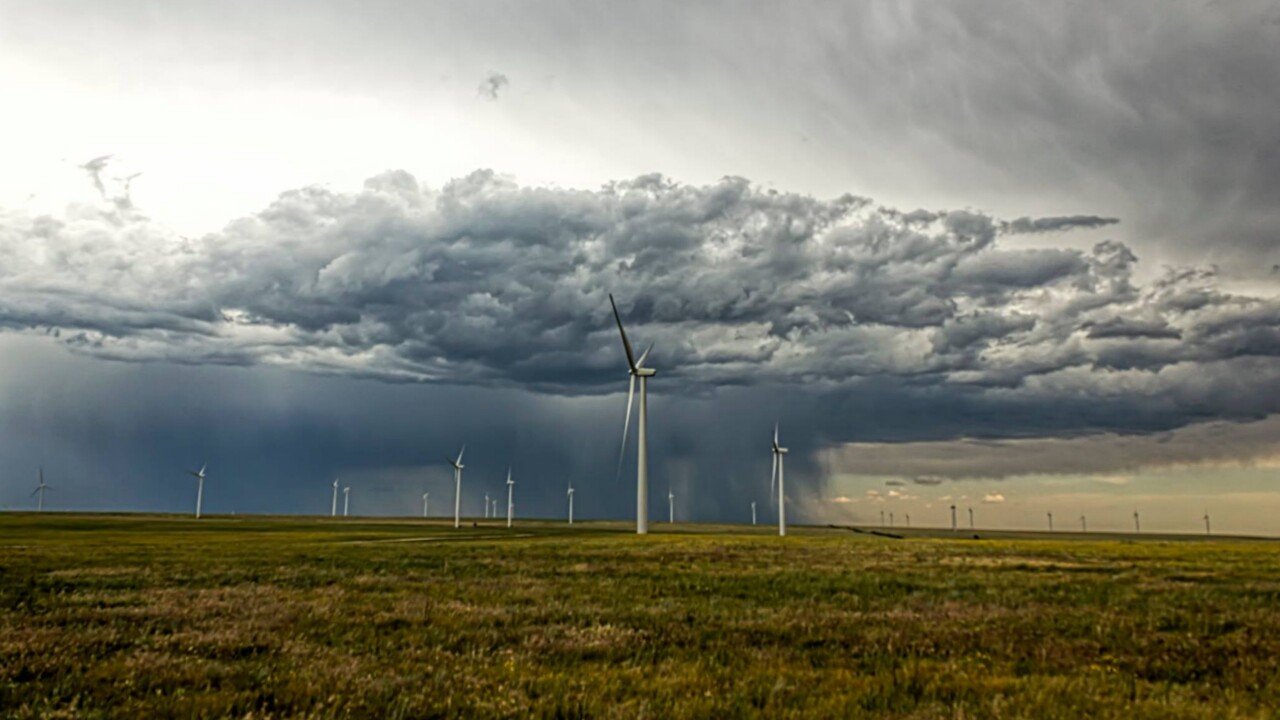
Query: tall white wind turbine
x=779, y=457
x=671, y=507
x=570, y=503
x=511, y=507
x=333, y=512
x=40, y=490
x=457, y=488
x=426, y=503
x=486, y=506
x=753, y=512
x=636, y=369
x=346, y=500
x=199, y=476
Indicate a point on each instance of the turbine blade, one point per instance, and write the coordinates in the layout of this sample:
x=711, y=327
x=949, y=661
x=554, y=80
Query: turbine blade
x=626, y=344
x=33, y=492
x=626, y=423
x=775, y=436
x=464, y=449
x=643, y=355
x=773, y=477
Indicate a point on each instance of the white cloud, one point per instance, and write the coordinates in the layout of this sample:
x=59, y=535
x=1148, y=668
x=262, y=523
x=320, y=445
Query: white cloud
x=993, y=498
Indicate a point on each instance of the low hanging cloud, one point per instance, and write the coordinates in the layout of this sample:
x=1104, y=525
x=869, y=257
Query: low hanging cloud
x=486, y=282
x=492, y=83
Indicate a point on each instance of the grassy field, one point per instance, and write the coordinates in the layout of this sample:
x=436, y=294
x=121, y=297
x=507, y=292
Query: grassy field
x=146, y=616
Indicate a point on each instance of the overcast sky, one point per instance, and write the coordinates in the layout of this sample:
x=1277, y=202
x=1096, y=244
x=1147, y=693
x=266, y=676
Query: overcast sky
x=1026, y=256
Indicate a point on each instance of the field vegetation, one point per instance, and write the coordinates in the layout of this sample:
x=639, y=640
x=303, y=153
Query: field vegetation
x=148, y=616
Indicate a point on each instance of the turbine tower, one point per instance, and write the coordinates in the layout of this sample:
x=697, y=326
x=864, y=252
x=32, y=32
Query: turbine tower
x=1206, y=518
x=953, y=518
x=890, y=519
x=881, y=518
x=40, y=490
x=1084, y=524
x=334, y=511
x=636, y=369
x=753, y=512
x=671, y=507
x=970, y=518
x=426, y=503
x=199, y=476
x=486, y=506
x=511, y=506
x=346, y=500
x=570, y=503
x=779, y=457
x=1050, y=521
x=457, y=488
x=1137, y=526
x=908, y=519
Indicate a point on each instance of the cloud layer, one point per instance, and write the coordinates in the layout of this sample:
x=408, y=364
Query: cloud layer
x=485, y=282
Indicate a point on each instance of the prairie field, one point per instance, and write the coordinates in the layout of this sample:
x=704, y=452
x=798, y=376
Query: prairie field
x=159, y=616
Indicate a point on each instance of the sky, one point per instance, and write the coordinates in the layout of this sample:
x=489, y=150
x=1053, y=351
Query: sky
x=1023, y=258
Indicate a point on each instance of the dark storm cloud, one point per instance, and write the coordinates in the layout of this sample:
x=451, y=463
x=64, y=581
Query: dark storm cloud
x=485, y=282
x=1055, y=224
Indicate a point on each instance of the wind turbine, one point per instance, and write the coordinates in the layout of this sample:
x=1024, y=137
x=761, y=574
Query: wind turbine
x=40, y=489
x=486, y=506
x=779, y=457
x=346, y=500
x=970, y=518
x=908, y=519
x=1206, y=519
x=570, y=503
x=753, y=512
x=1050, y=521
x=890, y=519
x=671, y=507
x=495, y=507
x=199, y=476
x=1084, y=524
x=426, y=503
x=953, y=518
x=457, y=488
x=511, y=506
x=1137, y=526
x=636, y=369
x=334, y=511
x=881, y=518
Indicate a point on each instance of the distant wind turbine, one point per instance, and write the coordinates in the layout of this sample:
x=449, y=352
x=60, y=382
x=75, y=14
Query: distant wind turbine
x=671, y=507
x=511, y=505
x=333, y=512
x=970, y=518
x=779, y=469
x=486, y=506
x=881, y=518
x=1137, y=526
x=346, y=501
x=953, y=518
x=636, y=369
x=199, y=476
x=570, y=503
x=753, y=512
x=426, y=503
x=1206, y=521
x=1050, y=521
x=890, y=519
x=495, y=507
x=908, y=519
x=457, y=488
x=40, y=490
x=1084, y=524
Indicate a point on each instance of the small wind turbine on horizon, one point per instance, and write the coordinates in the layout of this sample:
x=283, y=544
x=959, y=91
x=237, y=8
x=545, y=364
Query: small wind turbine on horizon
x=890, y=519
x=1137, y=525
x=881, y=518
x=333, y=512
x=636, y=369
x=486, y=506
x=953, y=518
x=426, y=503
x=908, y=519
x=346, y=501
x=1206, y=521
x=753, y=512
x=199, y=476
x=457, y=488
x=671, y=507
x=971, y=518
x=1050, y=521
x=570, y=493
x=40, y=490
x=511, y=505
x=779, y=462
x=1084, y=524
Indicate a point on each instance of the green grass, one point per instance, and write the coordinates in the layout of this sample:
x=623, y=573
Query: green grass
x=150, y=616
